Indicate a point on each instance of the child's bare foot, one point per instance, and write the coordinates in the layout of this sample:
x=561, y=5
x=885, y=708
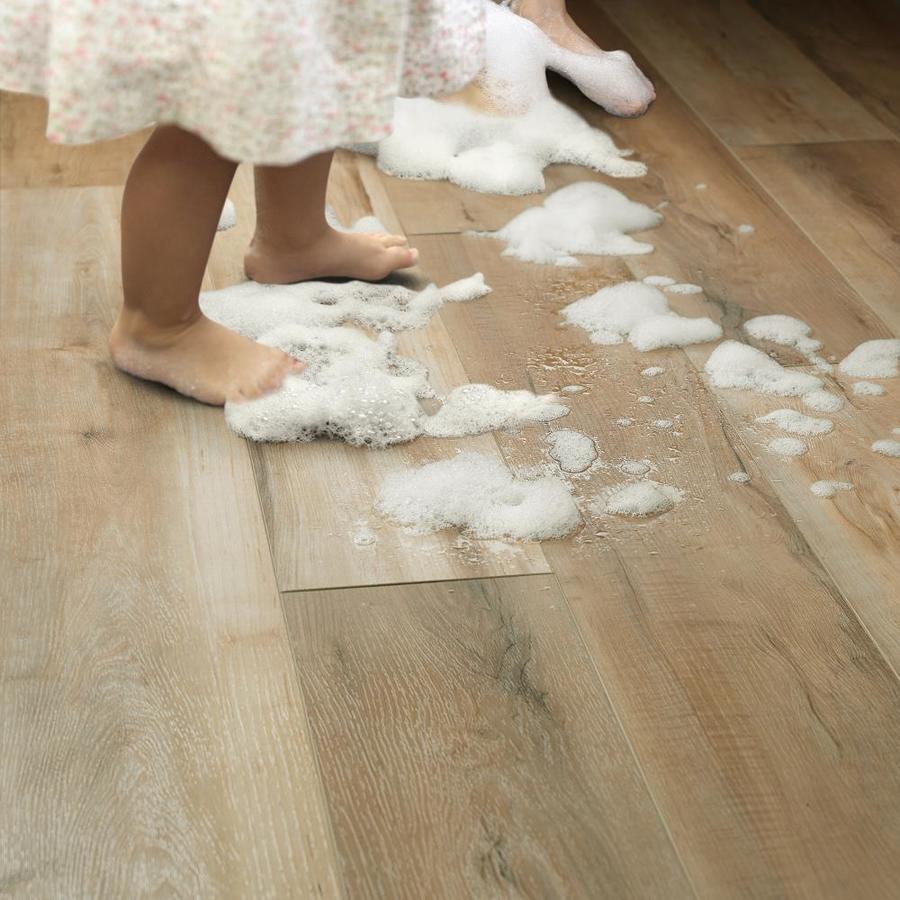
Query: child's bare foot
x=198, y=358
x=367, y=256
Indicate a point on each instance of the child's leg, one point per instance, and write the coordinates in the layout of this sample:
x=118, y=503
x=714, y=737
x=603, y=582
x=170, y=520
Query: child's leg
x=293, y=241
x=170, y=209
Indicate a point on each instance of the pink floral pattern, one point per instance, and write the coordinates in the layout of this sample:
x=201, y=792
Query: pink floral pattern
x=263, y=81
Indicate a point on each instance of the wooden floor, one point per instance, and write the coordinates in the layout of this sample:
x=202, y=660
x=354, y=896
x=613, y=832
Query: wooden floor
x=209, y=690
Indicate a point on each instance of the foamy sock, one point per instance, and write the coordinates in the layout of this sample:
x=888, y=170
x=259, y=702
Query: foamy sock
x=873, y=359
x=573, y=451
x=478, y=494
x=639, y=313
x=582, y=218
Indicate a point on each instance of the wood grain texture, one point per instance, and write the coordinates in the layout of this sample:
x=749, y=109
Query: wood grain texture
x=154, y=738
x=856, y=44
x=747, y=81
x=30, y=160
x=469, y=749
x=846, y=197
x=314, y=495
x=757, y=704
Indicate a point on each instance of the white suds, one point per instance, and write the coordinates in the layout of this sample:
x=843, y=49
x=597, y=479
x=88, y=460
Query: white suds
x=664, y=424
x=787, y=446
x=796, y=422
x=745, y=229
x=823, y=401
x=639, y=499
x=683, y=289
x=573, y=451
x=701, y=186
x=739, y=477
x=362, y=534
x=869, y=389
x=873, y=359
x=828, y=489
x=639, y=313
x=624, y=422
x=253, y=309
x=653, y=371
x=228, y=217
x=573, y=389
x=477, y=493
x=645, y=399
x=658, y=280
x=584, y=217
x=887, y=447
x=477, y=408
x=784, y=330
x=736, y=365
x=639, y=467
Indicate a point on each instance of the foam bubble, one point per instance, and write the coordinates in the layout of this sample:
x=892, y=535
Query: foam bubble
x=573, y=451
x=477, y=408
x=869, y=389
x=477, y=493
x=639, y=499
x=887, y=447
x=362, y=534
x=823, y=401
x=637, y=467
x=582, y=218
x=873, y=359
x=739, y=477
x=664, y=424
x=646, y=399
x=228, y=217
x=736, y=365
x=784, y=330
x=658, y=280
x=796, y=422
x=653, y=371
x=745, y=229
x=624, y=422
x=787, y=446
x=828, y=489
x=701, y=186
x=683, y=289
x=640, y=313
x=573, y=389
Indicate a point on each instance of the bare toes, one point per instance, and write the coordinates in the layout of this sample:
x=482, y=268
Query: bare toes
x=394, y=240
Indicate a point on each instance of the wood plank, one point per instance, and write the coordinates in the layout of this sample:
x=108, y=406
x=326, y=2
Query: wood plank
x=313, y=495
x=154, y=736
x=856, y=44
x=846, y=197
x=469, y=749
x=30, y=160
x=764, y=717
x=745, y=79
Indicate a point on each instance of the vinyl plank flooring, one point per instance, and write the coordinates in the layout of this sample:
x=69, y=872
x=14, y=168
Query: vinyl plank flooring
x=315, y=495
x=745, y=79
x=758, y=705
x=154, y=737
x=846, y=197
x=30, y=160
x=469, y=749
x=856, y=44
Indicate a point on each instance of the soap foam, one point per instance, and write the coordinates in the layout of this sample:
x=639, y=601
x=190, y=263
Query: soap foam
x=736, y=365
x=683, y=289
x=739, y=477
x=639, y=313
x=638, y=499
x=573, y=451
x=784, y=330
x=637, y=467
x=228, y=217
x=828, y=489
x=823, y=401
x=653, y=371
x=796, y=422
x=478, y=408
x=787, y=446
x=582, y=218
x=887, y=447
x=869, y=389
x=477, y=493
x=873, y=359
x=658, y=280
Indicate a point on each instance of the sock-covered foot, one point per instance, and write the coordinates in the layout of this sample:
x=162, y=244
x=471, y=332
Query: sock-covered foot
x=200, y=359
x=609, y=78
x=332, y=254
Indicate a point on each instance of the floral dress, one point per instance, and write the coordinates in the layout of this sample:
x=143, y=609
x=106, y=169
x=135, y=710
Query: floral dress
x=263, y=81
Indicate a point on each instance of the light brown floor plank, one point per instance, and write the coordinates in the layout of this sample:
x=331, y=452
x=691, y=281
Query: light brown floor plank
x=469, y=749
x=846, y=197
x=154, y=738
x=757, y=704
x=313, y=495
x=745, y=79
x=30, y=160
x=856, y=44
